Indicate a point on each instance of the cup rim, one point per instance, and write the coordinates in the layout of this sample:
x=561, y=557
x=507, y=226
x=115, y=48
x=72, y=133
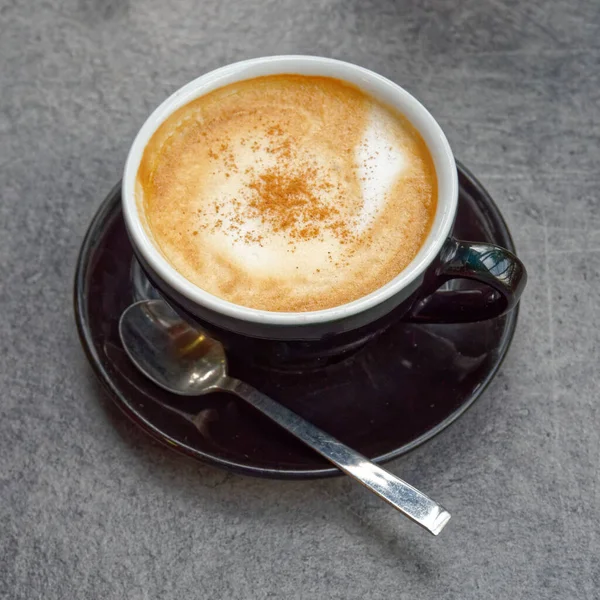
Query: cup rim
x=372, y=83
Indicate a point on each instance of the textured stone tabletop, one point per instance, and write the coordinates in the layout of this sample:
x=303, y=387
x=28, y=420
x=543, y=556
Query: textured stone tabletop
x=91, y=508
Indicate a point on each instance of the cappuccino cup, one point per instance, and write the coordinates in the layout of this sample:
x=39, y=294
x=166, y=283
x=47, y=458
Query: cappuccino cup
x=295, y=206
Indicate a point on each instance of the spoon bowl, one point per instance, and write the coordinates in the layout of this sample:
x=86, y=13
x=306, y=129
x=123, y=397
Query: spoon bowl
x=175, y=356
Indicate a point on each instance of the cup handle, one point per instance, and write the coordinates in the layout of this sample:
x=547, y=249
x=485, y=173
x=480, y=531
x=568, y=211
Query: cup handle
x=503, y=274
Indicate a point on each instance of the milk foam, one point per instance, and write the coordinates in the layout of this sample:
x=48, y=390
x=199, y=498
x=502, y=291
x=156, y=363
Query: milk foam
x=256, y=247
x=216, y=176
x=380, y=162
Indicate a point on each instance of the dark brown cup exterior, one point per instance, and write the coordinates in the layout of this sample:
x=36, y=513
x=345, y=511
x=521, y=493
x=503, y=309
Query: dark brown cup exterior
x=497, y=277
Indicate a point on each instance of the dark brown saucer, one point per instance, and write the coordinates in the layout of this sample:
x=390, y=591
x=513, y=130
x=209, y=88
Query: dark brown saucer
x=392, y=395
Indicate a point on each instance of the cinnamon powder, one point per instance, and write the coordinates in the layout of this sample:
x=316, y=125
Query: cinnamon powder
x=289, y=202
x=289, y=197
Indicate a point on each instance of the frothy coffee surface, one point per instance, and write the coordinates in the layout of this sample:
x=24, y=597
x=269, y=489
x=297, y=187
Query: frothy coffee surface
x=287, y=192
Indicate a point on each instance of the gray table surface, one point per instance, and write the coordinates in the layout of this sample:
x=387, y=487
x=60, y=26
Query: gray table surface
x=91, y=508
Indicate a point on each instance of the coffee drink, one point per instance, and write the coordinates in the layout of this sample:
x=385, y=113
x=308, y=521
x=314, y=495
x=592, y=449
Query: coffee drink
x=287, y=192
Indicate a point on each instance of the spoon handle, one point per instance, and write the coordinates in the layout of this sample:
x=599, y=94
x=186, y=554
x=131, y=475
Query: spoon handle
x=402, y=496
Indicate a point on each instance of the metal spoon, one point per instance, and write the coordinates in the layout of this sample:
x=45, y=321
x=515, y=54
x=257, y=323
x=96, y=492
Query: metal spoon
x=185, y=361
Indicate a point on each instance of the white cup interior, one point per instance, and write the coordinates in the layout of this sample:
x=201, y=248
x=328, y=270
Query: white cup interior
x=372, y=83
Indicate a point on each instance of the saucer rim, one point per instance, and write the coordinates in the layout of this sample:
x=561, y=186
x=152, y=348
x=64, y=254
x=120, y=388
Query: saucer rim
x=104, y=217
